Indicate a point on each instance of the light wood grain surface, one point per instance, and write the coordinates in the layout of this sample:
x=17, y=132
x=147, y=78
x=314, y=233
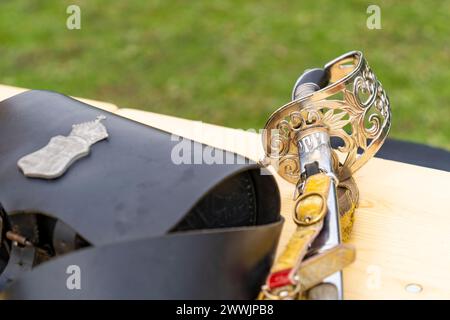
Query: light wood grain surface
x=9, y=91
x=402, y=227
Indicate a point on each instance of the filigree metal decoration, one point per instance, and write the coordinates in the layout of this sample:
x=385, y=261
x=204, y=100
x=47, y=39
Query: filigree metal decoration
x=354, y=109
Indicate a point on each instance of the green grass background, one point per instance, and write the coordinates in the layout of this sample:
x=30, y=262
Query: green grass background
x=229, y=62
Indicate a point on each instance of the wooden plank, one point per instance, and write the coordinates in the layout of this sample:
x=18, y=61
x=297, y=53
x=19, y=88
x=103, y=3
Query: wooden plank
x=402, y=227
x=8, y=91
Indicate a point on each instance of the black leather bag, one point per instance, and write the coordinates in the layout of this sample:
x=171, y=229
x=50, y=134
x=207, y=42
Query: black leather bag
x=137, y=225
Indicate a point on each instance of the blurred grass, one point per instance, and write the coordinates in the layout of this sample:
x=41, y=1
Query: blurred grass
x=229, y=62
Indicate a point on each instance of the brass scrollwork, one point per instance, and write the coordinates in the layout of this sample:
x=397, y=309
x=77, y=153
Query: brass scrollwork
x=354, y=108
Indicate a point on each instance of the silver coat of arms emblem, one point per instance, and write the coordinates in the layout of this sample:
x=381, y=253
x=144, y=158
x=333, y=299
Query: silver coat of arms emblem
x=53, y=160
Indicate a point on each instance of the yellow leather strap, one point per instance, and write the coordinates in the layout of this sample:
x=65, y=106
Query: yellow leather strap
x=309, y=213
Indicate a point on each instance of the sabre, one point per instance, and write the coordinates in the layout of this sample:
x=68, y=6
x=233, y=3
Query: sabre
x=314, y=149
x=344, y=101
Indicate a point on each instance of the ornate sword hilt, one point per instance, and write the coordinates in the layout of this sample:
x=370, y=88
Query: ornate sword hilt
x=350, y=104
x=345, y=102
